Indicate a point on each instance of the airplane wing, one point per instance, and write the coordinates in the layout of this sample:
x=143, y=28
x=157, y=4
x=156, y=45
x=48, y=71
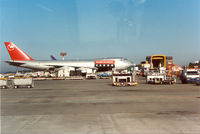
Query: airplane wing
x=84, y=67
x=75, y=67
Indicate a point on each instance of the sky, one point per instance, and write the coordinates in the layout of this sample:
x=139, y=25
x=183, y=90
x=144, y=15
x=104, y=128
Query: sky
x=87, y=29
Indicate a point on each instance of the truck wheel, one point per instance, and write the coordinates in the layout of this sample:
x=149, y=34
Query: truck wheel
x=15, y=87
x=29, y=86
x=183, y=82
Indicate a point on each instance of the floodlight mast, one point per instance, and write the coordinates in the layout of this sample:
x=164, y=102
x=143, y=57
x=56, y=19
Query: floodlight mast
x=63, y=54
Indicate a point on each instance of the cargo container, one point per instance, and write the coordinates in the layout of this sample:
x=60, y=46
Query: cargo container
x=3, y=83
x=22, y=82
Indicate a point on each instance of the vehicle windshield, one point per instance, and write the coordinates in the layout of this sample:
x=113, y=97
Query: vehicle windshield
x=192, y=73
x=154, y=71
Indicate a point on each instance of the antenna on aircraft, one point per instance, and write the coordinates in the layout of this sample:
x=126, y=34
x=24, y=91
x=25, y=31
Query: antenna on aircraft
x=63, y=54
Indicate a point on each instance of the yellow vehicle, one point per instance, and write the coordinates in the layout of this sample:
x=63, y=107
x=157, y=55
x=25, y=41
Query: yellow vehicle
x=160, y=69
x=158, y=61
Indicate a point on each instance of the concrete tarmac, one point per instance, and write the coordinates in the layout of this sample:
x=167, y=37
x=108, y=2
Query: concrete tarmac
x=96, y=107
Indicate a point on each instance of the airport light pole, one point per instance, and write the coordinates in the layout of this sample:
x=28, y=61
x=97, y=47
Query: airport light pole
x=63, y=54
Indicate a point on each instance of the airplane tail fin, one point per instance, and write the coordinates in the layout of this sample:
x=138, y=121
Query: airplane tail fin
x=53, y=58
x=16, y=53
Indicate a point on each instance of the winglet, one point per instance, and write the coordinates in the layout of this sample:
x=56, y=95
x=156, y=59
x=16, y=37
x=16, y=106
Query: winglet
x=16, y=53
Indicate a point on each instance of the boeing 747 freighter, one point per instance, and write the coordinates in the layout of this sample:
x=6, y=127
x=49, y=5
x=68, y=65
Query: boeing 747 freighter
x=21, y=59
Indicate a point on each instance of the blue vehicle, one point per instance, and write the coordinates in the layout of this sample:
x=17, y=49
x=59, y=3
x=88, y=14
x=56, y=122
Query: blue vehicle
x=104, y=75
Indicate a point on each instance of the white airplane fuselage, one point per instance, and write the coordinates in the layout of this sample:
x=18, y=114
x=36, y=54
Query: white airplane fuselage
x=48, y=65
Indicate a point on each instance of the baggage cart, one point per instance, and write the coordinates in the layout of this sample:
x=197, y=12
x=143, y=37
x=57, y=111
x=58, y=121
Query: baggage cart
x=23, y=82
x=3, y=83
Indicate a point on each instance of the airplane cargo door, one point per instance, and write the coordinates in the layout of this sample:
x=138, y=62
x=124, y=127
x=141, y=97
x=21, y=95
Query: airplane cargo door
x=104, y=65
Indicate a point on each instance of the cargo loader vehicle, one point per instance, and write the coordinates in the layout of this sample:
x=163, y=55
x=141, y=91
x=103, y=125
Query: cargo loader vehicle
x=159, y=76
x=160, y=71
x=124, y=78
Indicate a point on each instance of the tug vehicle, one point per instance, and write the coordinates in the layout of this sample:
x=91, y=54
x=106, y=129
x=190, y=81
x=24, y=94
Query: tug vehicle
x=124, y=78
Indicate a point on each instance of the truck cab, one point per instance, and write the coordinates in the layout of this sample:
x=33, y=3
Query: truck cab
x=189, y=76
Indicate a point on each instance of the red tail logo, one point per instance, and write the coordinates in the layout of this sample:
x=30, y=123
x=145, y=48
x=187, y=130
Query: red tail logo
x=16, y=53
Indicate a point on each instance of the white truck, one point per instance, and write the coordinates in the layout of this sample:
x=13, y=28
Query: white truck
x=124, y=78
x=91, y=74
x=189, y=75
x=159, y=76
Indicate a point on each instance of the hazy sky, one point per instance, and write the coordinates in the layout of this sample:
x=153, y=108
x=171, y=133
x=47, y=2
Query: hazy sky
x=132, y=29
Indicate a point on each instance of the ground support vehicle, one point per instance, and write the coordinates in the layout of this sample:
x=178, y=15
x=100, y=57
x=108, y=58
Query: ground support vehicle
x=105, y=76
x=159, y=77
x=189, y=76
x=23, y=82
x=145, y=69
x=124, y=79
x=91, y=76
x=3, y=83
